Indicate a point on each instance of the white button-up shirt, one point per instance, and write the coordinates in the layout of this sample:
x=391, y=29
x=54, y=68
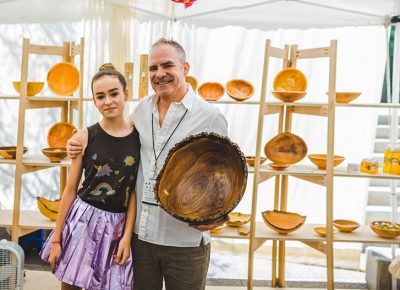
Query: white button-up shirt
x=153, y=224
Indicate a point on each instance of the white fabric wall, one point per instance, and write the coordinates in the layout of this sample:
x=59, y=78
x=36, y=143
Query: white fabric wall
x=220, y=55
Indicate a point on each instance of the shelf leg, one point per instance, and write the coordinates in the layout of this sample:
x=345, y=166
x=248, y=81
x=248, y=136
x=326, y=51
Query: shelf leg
x=281, y=270
x=274, y=253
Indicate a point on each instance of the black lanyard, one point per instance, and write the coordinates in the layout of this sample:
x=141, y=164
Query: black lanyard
x=165, y=144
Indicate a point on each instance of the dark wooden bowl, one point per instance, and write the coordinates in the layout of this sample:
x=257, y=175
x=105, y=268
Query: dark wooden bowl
x=203, y=179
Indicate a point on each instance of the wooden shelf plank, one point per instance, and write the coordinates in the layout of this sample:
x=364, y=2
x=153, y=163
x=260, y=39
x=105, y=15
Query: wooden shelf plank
x=6, y=161
x=42, y=161
x=28, y=220
x=311, y=170
x=362, y=235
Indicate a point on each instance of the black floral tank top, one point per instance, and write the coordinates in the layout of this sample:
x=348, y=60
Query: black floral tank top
x=110, y=166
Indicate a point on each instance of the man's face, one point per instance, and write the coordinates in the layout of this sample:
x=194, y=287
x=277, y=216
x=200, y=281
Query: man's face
x=167, y=72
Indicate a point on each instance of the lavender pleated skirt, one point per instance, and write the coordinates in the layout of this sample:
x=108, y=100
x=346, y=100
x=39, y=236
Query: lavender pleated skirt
x=89, y=242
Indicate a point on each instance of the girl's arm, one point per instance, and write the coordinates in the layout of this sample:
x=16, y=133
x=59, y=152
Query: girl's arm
x=124, y=245
x=68, y=197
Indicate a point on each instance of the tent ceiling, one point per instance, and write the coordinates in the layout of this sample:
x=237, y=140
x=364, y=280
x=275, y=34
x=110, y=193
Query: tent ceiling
x=262, y=14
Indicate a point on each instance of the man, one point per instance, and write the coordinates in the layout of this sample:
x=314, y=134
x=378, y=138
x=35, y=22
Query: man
x=163, y=247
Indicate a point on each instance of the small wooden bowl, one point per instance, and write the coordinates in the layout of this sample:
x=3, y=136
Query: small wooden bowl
x=63, y=79
x=385, y=233
x=251, y=160
x=283, y=222
x=33, y=88
x=49, y=208
x=320, y=160
x=217, y=229
x=322, y=231
x=239, y=90
x=55, y=154
x=346, y=226
x=192, y=81
x=237, y=219
x=285, y=148
x=346, y=97
x=211, y=91
x=10, y=152
x=59, y=134
x=290, y=79
x=278, y=166
x=288, y=96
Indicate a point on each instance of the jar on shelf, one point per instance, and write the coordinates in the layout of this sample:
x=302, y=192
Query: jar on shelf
x=387, y=159
x=374, y=166
x=395, y=158
x=364, y=165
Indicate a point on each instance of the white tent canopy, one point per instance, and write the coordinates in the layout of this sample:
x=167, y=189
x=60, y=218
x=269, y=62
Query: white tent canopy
x=261, y=14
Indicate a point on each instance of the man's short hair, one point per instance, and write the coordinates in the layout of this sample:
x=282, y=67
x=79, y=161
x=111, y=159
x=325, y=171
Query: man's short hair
x=179, y=49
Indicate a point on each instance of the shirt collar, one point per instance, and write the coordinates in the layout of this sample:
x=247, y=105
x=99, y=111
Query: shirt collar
x=187, y=100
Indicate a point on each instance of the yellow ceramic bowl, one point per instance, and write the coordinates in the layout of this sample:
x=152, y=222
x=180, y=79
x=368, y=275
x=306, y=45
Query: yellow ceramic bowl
x=289, y=96
x=251, y=160
x=192, y=81
x=283, y=222
x=55, y=154
x=211, y=91
x=33, y=87
x=9, y=152
x=237, y=219
x=320, y=160
x=346, y=97
x=377, y=227
x=346, y=226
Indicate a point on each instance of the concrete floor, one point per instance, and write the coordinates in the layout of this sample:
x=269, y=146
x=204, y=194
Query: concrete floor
x=35, y=280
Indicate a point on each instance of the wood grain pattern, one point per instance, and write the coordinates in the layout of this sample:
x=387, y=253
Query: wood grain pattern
x=286, y=148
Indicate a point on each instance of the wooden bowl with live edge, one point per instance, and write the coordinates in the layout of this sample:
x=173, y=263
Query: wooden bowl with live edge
x=283, y=222
x=209, y=179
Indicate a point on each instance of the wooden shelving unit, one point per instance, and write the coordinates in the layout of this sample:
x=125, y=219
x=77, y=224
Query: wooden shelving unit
x=24, y=222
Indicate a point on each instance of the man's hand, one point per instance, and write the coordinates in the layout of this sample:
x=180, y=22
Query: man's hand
x=211, y=226
x=74, y=148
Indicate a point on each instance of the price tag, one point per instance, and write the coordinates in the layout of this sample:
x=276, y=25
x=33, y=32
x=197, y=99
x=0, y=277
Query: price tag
x=148, y=191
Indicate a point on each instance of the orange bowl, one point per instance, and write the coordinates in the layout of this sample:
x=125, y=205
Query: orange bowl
x=211, y=91
x=239, y=90
x=346, y=97
x=59, y=134
x=346, y=226
x=55, y=154
x=192, y=81
x=320, y=160
x=283, y=222
x=9, y=152
x=33, y=87
x=278, y=166
x=285, y=148
x=322, y=231
x=290, y=79
x=63, y=79
x=386, y=230
x=291, y=96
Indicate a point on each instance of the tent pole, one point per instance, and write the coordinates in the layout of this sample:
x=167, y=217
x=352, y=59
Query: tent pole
x=274, y=1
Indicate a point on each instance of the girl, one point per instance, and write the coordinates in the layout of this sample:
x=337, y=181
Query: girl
x=90, y=245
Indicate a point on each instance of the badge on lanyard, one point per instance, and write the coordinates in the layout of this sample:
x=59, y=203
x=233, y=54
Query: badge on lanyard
x=149, y=196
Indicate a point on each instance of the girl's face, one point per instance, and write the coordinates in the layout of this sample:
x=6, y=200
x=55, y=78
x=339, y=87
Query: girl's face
x=109, y=97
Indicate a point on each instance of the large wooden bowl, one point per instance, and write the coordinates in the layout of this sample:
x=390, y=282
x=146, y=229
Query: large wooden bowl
x=33, y=87
x=203, y=179
x=320, y=160
x=59, y=134
x=283, y=222
x=285, y=148
x=9, y=152
x=63, y=79
x=192, y=81
x=290, y=79
x=211, y=91
x=239, y=90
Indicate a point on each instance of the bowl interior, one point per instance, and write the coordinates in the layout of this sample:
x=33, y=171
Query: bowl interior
x=211, y=91
x=346, y=225
x=290, y=79
x=237, y=219
x=384, y=229
x=63, y=79
x=239, y=90
x=283, y=222
x=59, y=134
x=286, y=148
